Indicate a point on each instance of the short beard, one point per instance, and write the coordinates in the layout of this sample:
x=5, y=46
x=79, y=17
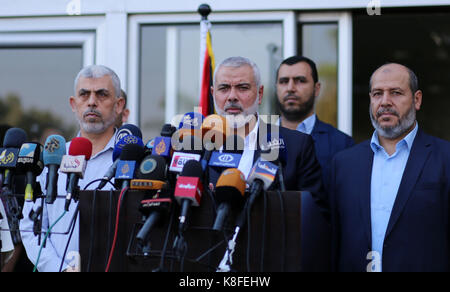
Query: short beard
x=297, y=114
x=96, y=127
x=404, y=124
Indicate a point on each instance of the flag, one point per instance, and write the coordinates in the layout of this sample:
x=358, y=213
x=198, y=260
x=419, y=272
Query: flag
x=206, y=69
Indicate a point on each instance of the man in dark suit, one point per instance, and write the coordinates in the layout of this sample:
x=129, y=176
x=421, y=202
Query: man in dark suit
x=237, y=92
x=298, y=87
x=390, y=195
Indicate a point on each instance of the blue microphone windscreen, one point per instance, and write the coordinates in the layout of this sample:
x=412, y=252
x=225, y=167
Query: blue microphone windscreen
x=54, y=149
x=192, y=121
x=127, y=129
x=14, y=138
x=129, y=139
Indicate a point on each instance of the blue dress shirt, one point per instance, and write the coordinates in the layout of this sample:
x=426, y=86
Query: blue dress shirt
x=387, y=173
x=306, y=126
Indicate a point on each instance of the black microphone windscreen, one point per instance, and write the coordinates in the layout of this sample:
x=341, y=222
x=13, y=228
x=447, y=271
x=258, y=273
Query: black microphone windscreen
x=152, y=167
x=14, y=138
x=132, y=152
x=168, y=130
x=192, y=168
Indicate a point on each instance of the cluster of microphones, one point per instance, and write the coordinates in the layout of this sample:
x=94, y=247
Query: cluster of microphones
x=173, y=168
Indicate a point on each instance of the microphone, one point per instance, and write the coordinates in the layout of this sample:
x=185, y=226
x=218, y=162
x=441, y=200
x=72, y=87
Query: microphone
x=149, y=146
x=214, y=131
x=191, y=149
x=130, y=156
x=125, y=130
x=229, y=194
x=188, y=190
x=168, y=130
x=274, y=150
x=230, y=155
x=162, y=145
x=30, y=163
x=74, y=165
x=54, y=150
x=151, y=174
x=129, y=139
x=191, y=125
x=13, y=140
x=260, y=179
x=228, y=158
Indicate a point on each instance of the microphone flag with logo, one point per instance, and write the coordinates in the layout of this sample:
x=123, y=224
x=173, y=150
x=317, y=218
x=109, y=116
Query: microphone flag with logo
x=188, y=190
x=30, y=163
x=74, y=164
x=130, y=156
x=54, y=150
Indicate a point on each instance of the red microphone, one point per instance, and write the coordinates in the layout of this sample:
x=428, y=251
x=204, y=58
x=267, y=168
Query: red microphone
x=188, y=190
x=74, y=165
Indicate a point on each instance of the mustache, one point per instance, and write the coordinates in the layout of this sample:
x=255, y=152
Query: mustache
x=92, y=111
x=233, y=105
x=387, y=111
x=290, y=95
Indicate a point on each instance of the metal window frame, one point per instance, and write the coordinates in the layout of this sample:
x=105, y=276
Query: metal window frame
x=287, y=18
x=345, y=63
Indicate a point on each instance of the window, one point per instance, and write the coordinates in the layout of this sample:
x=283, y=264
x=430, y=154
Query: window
x=319, y=43
x=170, y=62
x=35, y=86
x=420, y=41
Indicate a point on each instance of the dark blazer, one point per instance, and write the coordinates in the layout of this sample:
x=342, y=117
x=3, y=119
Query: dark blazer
x=418, y=232
x=302, y=171
x=316, y=230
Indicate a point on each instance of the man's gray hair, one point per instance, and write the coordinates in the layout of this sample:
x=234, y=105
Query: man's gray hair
x=237, y=62
x=98, y=71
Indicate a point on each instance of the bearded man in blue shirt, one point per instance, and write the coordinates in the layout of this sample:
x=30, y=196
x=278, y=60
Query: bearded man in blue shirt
x=390, y=195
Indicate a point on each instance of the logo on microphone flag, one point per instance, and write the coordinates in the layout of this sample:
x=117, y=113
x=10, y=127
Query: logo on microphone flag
x=189, y=188
x=125, y=169
x=162, y=146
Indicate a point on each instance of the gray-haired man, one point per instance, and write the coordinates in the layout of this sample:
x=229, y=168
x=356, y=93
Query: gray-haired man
x=96, y=104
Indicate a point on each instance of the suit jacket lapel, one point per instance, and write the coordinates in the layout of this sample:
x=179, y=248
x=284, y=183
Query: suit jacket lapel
x=321, y=140
x=419, y=154
x=365, y=184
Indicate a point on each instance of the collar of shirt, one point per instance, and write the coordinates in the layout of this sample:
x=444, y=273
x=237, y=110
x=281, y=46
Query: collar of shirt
x=246, y=162
x=306, y=126
x=109, y=145
x=407, y=141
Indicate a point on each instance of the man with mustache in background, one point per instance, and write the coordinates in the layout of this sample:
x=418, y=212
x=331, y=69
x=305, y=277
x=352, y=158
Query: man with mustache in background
x=390, y=195
x=96, y=103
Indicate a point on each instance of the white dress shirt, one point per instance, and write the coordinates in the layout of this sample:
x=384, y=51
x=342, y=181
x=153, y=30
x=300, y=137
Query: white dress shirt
x=5, y=234
x=51, y=256
x=246, y=162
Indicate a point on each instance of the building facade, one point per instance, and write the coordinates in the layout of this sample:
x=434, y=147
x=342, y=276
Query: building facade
x=154, y=48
